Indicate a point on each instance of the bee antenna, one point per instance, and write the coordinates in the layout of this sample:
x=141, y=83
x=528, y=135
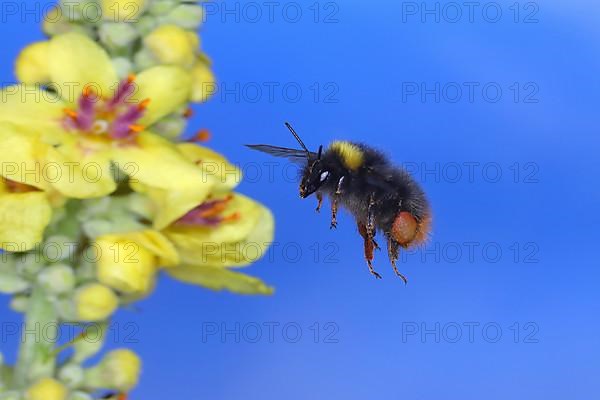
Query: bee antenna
x=297, y=138
x=320, y=152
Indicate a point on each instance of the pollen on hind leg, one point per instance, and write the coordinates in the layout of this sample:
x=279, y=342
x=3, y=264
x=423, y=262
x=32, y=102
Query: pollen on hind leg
x=404, y=228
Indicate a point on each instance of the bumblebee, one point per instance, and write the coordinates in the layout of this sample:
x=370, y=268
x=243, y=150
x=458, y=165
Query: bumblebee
x=381, y=197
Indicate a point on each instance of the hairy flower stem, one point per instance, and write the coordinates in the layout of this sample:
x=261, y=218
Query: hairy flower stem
x=36, y=357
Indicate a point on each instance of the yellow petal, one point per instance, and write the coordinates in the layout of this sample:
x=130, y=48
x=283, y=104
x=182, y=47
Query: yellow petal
x=78, y=61
x=203, y=82
x=167, y=87
x=156, y=243
x=227, y=175
x=163, y=173
x=220, y=279
x=171, y=44
x=32, y=64
x=235, y=243
x=95, y=302
x=76, y=171
x=27, y=105
x=23, y=219
x=124, y=265
x=18, y=147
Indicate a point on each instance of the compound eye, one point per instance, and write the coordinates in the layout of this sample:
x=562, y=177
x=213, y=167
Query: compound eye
x=324, y=176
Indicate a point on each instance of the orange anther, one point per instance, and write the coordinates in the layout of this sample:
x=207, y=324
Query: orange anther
x=233, y=217
x=136, y=128
x=203, y=135
x=70, y=113
x=122, y=396
x=131, y=78
x=144, y=104
x=188, y=113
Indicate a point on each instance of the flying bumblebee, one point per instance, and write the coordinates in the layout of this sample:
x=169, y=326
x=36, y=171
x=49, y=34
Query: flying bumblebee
x=378, y=194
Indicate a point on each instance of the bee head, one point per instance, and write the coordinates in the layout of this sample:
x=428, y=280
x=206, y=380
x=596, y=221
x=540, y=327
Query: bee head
x=314, y=176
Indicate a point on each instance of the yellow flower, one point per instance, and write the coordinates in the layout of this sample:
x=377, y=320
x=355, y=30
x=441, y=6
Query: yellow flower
x=118, y=370
x=47, y=389
x=32, y=63
x=95, y=302
x=224, y=232
x=128, y=262
x=203, y=82
x=24, y=214
x=122, y=10
x=96, y=123
x=170, y=44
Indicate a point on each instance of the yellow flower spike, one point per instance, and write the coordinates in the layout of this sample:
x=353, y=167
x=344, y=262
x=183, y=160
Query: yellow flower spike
x=23, y=219
x=78, y=61
x=119, y=370
x=171, y=44
x=227, y=175
x=32, y=63
x=95, y=302
x=47, y=389
x=122, y=10
x=203, y=82
x=128, y=262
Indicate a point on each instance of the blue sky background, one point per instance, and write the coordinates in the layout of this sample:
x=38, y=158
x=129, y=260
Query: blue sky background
x=533, y=269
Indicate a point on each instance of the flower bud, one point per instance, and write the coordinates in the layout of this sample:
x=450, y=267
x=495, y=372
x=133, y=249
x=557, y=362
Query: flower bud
x=122, y=10
x=146, y=24
x=125, y=265
x=144, y=59
x=57, y=279
x=90, y=344
x=123, y=66
x=71, y=374
x=47, y=389
x=117, y=35
x=29, y=265
x=32, y=63
x=162, y=7
x=59, y=247
x=12, y=283
x=95, y=302
x=11, y=395
x=119, y=370
x=170, y=44
x=19, y=303
x=188, y=16
x=203, y=82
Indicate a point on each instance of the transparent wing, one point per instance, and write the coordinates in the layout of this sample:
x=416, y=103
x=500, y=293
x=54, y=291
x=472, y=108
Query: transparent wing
x=294, y=155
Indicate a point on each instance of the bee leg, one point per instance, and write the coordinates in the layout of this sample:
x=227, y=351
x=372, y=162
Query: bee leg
x=334, y=205
x=320, y=200
x=369, y=247
x=371, y=221
x=393, y=252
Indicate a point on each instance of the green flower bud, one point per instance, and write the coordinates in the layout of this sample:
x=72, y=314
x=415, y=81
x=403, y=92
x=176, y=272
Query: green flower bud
x=119, y=370
x=170, y=127
x=19, y=303
x=57, y=279
x=94, y=208
x=123, y=66
x=89, y=345
x=141, y=205
x=146, y=24
x=144, y=59
x=71, y=374
x=116, y=35
x=188, y=16
x=162, y=7
x=12, y=283
x=29, y=265
x=97, y=227
x=65, y=308
x=58, y=247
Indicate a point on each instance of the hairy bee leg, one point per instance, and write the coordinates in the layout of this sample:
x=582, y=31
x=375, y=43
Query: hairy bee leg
x=320, y=201
x=371, y=221
x=393, y=253
x=334, y=210
x=334, y=205
x=369, y=248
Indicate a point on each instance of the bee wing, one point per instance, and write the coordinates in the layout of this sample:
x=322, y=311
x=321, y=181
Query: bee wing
x=298, y=156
